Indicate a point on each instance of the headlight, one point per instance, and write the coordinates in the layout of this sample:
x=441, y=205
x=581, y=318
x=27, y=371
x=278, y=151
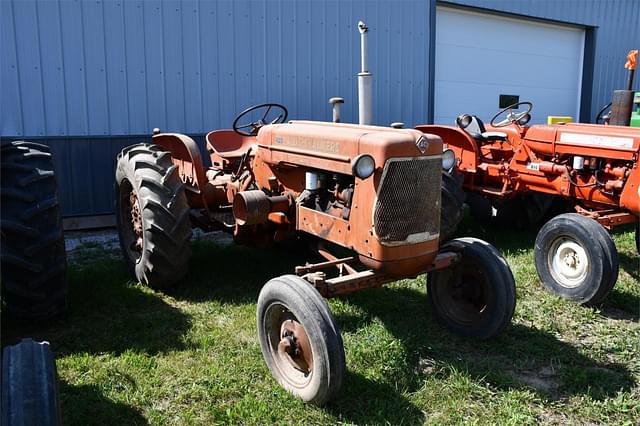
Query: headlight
x=363, y=166
x=448, y=159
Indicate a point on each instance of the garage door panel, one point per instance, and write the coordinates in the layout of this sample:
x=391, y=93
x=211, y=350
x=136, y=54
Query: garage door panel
x=482, y=100
x=493, y=67
x=508, y=35
x=480, y=56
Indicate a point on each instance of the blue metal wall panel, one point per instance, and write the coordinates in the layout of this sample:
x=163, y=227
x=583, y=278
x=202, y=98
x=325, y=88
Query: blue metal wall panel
x=74, y=70
x=10, y=100
x=115, y=67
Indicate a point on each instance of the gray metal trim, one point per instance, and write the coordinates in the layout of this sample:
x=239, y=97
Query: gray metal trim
x=431, y=81
x=490, y=11
x=588, y=64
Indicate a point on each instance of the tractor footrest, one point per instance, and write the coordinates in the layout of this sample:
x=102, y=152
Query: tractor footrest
x=225, y=218
x=496, y=192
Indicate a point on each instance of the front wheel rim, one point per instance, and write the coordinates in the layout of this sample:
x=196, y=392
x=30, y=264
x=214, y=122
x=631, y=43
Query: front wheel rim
x=465, y=299
x=568, y=262
x=289, y=346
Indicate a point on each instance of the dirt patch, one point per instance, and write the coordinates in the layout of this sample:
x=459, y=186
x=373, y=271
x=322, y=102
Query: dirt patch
x=542, y=380
x=84, y=247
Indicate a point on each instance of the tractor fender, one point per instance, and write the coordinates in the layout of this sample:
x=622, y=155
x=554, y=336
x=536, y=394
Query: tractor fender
x=462, y=144
x=188, y=160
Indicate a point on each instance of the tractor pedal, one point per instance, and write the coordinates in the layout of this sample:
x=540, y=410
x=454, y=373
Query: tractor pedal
x=226, y=218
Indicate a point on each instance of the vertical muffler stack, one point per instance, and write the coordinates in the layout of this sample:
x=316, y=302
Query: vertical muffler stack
x=365, y=80
x=622, y=102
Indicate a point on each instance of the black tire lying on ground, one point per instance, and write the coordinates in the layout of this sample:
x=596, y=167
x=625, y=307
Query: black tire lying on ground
x=29, y=385
x=453, y=198
x=576, y=258
x=34, y=266
x=476, y=297
x=148, y=187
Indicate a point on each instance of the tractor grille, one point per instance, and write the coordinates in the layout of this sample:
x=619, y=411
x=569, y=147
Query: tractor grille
x=408, y=204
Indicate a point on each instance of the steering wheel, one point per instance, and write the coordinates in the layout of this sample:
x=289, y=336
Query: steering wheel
x=254, y=126
x=520, y=118
x=601, y=114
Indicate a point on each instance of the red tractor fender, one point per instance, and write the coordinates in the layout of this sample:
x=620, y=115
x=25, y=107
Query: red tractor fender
x=188, y=160
x=462, y=144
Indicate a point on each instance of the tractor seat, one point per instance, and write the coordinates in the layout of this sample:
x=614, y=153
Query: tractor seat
x=473, y=126
x=228, y=144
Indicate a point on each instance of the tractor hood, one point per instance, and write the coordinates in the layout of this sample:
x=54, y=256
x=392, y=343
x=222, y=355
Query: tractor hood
x=585, y=139
x=332, y=146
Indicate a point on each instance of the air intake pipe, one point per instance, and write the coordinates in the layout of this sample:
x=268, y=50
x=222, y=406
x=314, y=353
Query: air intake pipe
x=365, y=80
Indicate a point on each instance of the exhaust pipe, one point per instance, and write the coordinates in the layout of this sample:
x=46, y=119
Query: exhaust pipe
x=622, y=101
x=336, y=102
x=365, y=80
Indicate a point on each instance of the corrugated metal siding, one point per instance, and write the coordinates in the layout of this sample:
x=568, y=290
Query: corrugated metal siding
x=71, y=70
x=84, y=168
x=123, y=67
x=617, y=26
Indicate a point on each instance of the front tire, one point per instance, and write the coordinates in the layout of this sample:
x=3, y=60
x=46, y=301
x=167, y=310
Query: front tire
x=153, y=215
x=452, y=211
x=300, y=341
x=477, y=296
x=576, y=258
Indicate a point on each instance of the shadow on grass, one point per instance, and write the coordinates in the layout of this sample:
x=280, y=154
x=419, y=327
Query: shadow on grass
x=630, y=264
x=522, y=357
x=621, y=305
x=235, y=274
x=363, y=401
x=86, y=405
x=108, y=312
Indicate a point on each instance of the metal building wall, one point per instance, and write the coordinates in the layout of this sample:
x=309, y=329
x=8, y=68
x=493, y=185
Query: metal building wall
x=116, y=67
x=87, y=75
x=615, y=25
x=91, y=76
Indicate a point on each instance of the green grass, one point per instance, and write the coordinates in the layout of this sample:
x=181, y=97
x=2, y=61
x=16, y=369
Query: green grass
x=129, y=355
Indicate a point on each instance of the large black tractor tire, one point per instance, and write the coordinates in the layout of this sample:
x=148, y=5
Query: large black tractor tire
x=34, y=263
x=153, y=215
x=477, y=296
x=29, y=385
x=576, y=258
x=638, y=236
x=300, y=340
x=453, y=198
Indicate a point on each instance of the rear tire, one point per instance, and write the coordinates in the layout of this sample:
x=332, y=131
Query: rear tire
x=34, y=262
x=576, y=258
x=452, y=205
x=291, y=303
x=29, y=385
x=153, y=215
x=477, y=296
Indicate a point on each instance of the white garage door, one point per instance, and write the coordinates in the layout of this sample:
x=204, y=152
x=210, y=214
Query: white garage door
x=481, y=56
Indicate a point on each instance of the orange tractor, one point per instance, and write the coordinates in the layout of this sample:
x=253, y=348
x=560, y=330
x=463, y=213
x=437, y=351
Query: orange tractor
x=514, y=172
x=369, y=197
